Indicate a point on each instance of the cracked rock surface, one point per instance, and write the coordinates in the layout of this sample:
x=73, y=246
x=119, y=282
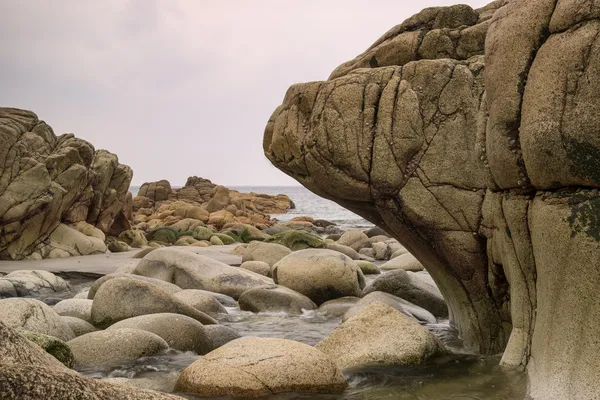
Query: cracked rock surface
x=472, y=137
x=58, y=195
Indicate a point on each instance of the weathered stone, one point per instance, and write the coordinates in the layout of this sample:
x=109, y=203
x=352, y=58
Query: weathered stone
x=269, y=253
x=406, y=261
x=355, y=239
x=35, y=316
x=29, y=283
x=274, y=298
x=380, y=335
x=367, y=267
x=51, y=345
x=218, y=335
x=258, y=267
x=78, y=326
x=395, y=302
x=319, y=274
x=78, y=308
x=165, y=286
x=254, y=367
x=202, y=301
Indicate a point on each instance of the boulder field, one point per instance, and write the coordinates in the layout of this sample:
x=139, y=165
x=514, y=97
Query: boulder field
x=471, y=136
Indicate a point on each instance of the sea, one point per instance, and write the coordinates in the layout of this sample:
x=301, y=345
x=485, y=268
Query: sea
x=307, y=204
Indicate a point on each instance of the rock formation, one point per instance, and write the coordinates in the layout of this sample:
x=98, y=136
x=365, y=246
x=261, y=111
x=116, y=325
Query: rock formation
x=472, y=137
x=58, y=195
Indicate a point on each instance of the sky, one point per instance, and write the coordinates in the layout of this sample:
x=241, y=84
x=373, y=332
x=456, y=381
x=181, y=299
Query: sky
x=180, y=87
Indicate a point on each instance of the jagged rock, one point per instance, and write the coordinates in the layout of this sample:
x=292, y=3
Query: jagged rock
x=179, y=331
x=35, y=316
x=274, y=298
x=133, y=238
x=380, y=335
x=192, y=271
x=121, y=298
x=319, y=274
x=155, y=191
x=114, y=346
x=254, y=367
x=49, y=181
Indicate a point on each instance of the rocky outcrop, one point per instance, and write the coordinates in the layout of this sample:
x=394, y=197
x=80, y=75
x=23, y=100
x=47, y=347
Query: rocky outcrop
x=471, y=137
x=50, y=182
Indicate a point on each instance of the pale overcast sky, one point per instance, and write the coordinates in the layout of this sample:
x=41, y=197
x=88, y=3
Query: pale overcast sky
x=180, y=87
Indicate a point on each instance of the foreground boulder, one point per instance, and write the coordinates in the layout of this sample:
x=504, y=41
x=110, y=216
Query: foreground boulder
x=115, y=346
x=380, y=335
x=192, y=271
x=164, y=286
x=414, y=288
x=274, y=298
x=179, y=331
x=49, y=182
x=397, y=303
x=29, y=373
x=406, y=261
x=121, y=298
x=35, y=316
x=255, y=367
x=320, y=274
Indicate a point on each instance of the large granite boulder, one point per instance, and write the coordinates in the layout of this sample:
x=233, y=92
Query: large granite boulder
x=269, y=253
x=380, y=335
x=30, y=283
x=192, y=271
x=255, y=367
x=35, y=316
x=49, y=182
x=320, y=274
x=274, y=298
x=471, y=137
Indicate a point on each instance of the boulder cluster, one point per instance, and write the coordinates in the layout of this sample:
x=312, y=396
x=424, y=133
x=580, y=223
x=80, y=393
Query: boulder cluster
x=175, y=299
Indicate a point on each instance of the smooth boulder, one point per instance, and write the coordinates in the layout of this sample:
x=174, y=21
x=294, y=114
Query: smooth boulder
x=320, y=274
x=338, y=307
x=202, y=301
x=255, y=367
x=115, y=346
x=179, y=331
x=78, y=308
x=192, y=271
x=35, y=316
x=218, y=335
x=397, y=303
x=368, y=268
x=380, y=335
x=274, y=298
x=31, y=282
x=405, y=261
x=258, y=267
x=78, y=326
x=269, y=253
x=122, y=298
x=165, y=286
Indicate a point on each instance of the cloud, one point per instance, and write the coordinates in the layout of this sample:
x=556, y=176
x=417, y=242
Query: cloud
x=179, y=87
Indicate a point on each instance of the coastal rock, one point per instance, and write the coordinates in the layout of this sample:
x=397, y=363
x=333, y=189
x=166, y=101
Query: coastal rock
x=338, y=307
x=412, y=287
x=226, y=301
x=35, y=316
x=48, y=182
x=115, y=346
x=274, y=298
x=155, y=191
x=349, y=251
x=179, y=331
x=367, y=267
x=319, y=274
x=218, y=335
x=191, y=271
x=406, y=261
x=395, y=302
x=381, y=250
x=269, y=253
x=259, y=267
x=164, y=286
x=116, y=246
x=78, y=326
x=254, y=367
x=297, y=240
x=202, y=301
x=30, y=283
x=78, y=308
x=51, y=345
x=380, y=335
x=121, y=298
x=133, y=238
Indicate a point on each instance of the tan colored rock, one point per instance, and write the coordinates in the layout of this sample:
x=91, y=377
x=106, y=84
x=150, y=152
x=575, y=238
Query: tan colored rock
x=201, y=301
x=258, y=267
x=254, y=367
x=380, y=335
x=274, y=298
x=269, y=253
x=406, y=261
x=35, y=316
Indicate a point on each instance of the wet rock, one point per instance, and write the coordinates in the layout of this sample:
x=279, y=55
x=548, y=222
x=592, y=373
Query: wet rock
x=202, y=301
x=78, y=308
x=380, y=335
x=269, y=253
x=259, y=267
x=338, y=307
x=115, y=346
x=274, y=298
x=179, y=331
x=192, y=271
x=254, y=367
x=413, y=288
x=219, y=335
x=406, y=261
x=226, y=301
x=35, y=316
x=120, y=298
x=320, y=274
x=395, y=302
x=30, y=283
